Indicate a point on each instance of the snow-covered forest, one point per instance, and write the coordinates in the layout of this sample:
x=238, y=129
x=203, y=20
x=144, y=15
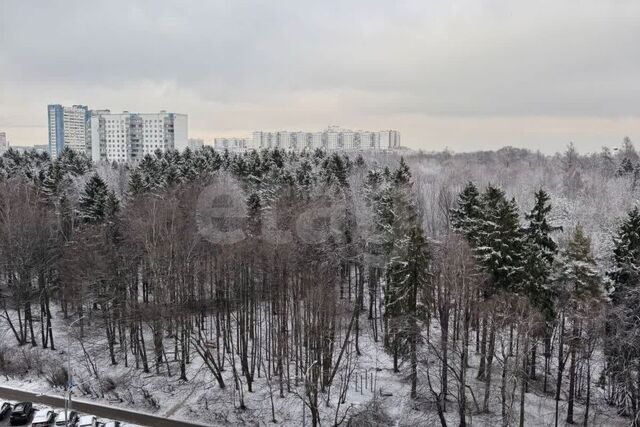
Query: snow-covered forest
x=323, y=288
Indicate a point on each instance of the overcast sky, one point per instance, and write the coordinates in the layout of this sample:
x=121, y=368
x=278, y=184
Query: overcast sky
x=459, y=74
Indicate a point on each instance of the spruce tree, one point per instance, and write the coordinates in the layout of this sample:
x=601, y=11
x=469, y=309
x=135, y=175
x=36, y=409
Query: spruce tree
x=500, y=247
x=335, y=171
x=254, y=164
x=622, y=343
x=406, y=277
x=541, y=251
x=626, y=167
x=137, y=186
x=93, y=201
x=467, y=217
x=372, y=186
x=402, y=175
x=398, y=224
x=52, y=182
x=278, y=158
x=395, y=209
x=540, y=254
x=254, y=215
x=304, y=177
x=579, y=278
x=626, y=255
x=580, y=290
x=239, y=167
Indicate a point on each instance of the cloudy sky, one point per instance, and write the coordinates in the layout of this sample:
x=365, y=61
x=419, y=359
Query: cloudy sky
x=447, y=73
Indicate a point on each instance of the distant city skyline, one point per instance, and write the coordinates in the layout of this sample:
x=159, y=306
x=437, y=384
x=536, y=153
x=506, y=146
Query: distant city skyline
x=463, y=74
x=126, y=137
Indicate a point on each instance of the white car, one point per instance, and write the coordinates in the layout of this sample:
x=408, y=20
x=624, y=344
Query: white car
x=88, y=421
x=61, y=419
x=43, y=418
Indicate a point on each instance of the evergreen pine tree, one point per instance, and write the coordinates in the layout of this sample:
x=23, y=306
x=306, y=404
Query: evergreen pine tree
x=93, y=201
x=467, y=217
x=402, y=175
x=112, y=205
x=626, y=255
x=372, y=185
x=406, y=276
x=622, y=343
x=541, y=250
x=254, y=215
x=137, y=185
x=254, y=164
x=318, y=155
x=578, y=276
x=304, y=177
x=52, y=183
x=401, y=236
x=501, y=241
x=626, y=167
x=335, y=171
x=239, y=167
x=278, y=158
x=579, y=290
x=394, y=208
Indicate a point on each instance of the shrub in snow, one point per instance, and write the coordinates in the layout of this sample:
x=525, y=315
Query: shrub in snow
x=57, y=376
x=372, y=415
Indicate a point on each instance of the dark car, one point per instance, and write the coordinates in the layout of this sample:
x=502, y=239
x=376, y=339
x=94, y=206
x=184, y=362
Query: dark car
x=21, y=413
x=5, y=409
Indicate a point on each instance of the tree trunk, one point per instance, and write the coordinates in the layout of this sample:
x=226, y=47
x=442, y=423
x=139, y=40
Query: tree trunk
x=572, y=375
x=560, y=367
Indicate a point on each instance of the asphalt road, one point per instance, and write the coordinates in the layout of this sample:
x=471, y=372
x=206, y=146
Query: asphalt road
x=99, y=411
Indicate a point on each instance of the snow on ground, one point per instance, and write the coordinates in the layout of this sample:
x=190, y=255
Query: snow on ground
x=200, y=399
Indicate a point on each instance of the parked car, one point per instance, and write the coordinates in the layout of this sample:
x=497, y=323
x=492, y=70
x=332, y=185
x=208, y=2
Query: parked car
x=21, y=413
x=112, y=424
x=5, y=409
x=43, y=418
x=61, y=419
x=88, y=421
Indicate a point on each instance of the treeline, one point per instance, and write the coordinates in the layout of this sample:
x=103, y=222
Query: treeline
x=272, y=265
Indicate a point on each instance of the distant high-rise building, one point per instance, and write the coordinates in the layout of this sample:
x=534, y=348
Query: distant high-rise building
x=127, y=137
x=195, y=144
x=4, y=144
x=389, y=139
x=231, y=144
x=68, y=127
x=332, y=138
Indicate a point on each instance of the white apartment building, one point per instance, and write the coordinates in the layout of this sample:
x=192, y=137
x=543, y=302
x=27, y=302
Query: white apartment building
x=195, y=144
x=68, y=127
x=389, y=139
x=127, y=137
x=332, y=138
x=230, y=144
x=75, y=128
x=4, y=144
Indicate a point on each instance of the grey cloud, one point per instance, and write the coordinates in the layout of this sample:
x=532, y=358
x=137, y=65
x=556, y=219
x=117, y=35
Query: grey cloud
x=361, y=58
